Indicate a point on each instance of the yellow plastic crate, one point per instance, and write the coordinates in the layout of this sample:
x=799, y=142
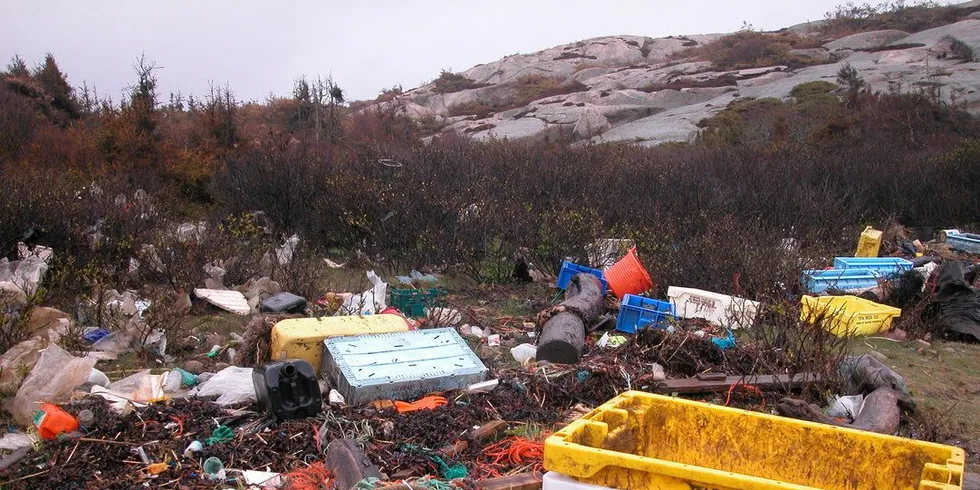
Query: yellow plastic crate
x=640, y=441
x=869, y=243
x=848, y=315
x=302, y=338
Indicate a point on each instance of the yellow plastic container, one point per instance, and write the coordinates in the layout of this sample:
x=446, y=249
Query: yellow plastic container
x=302, y=338
x=869, y=243
x=640, y=441
x=848, y=315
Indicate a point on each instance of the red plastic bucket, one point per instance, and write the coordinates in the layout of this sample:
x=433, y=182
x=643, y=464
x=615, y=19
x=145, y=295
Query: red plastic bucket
x=628, y=276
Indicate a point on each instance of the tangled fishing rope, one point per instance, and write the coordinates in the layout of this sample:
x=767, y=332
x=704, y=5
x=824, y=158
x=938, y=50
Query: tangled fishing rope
x=511, y=452
x=314, y=477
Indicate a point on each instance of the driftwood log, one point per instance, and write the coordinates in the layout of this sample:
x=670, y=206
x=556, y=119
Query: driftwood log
x=563, y=334
x=879, y=412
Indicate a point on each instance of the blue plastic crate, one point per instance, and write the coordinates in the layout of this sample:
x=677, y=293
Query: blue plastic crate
x=819, y=281
x=966, y=242
x=882, y=265
x=637, y=312
x=569, y=269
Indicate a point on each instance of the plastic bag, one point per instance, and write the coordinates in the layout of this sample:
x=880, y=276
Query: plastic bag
x=524, y=353
x=140, y=387
x=368, y=302
x=233, y=386
x=26, y=274
x=15, y=440
x=846, y=406
x=116, y=342
x=12, y=297
x=284, y=254
x=54, y=376
x=20, y=359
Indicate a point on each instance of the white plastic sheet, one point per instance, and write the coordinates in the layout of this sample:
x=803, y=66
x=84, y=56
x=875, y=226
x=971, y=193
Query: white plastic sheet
x=524, y=353
x=369, y=302
x=52, y=379
x=233, y=386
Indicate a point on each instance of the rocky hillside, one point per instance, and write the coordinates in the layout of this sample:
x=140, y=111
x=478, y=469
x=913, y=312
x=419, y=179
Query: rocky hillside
x=651, y=91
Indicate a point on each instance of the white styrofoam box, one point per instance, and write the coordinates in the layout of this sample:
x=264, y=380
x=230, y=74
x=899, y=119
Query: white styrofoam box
x=400, y=365
x=558, y=481
x=233, y=301
x=719, y=309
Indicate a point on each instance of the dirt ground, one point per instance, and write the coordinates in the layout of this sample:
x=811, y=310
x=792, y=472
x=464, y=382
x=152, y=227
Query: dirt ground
x=944, y=377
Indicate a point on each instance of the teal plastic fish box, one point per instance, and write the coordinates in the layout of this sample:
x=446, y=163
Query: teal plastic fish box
x=401, y=365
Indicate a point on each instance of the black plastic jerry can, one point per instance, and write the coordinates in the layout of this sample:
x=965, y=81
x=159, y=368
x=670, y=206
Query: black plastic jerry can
x=287, y=389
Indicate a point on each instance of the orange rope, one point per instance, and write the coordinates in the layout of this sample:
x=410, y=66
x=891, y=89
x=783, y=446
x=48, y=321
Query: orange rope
x=510, y=452
x=314, y=477
x=316, y=438
x=749, y=387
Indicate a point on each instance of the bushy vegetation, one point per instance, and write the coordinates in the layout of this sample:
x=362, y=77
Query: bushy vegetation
x=751, y=49
x=714, y=214
x=850, y=18
x=449, y=82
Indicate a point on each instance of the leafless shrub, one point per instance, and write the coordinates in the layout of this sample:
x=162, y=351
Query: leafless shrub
x=791, y=345
x=15, y=317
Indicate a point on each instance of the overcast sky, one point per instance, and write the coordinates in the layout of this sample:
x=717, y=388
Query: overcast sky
x=259, y=47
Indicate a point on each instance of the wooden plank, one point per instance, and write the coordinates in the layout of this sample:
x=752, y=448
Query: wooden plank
x=764, y=381
x=524, y=481
x=454, y=450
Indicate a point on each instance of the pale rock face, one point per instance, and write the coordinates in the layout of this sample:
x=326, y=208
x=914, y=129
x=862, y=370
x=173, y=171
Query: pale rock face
x=626, y=75
x=866, y=40
x=815, y=54
x=590, y=123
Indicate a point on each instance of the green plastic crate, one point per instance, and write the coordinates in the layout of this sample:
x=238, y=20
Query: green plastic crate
x=413, y=302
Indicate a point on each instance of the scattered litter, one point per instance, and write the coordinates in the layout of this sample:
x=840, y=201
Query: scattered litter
x=93, y=335
x=193, y=447
x=97, y=377
x=370, y=301
x=232, y=301
x=333, y=265
x=52, y=379
x=846, y=406
x=371, y=367
x=232, y=385
x=493, y=340
x=287, y=389
x=657, y=372
x=719, y=309
x=335, y=398
x=302, y=338
x=959, y=302
x=443, y=317
x=283, y=303
x=284, y=254
x=482, y=387
x=610, y=340
x=221, y=435
x=52, y=421
x=15, y=440
x=523, y=353
x=471, y=331
x=266, y=479
x=869, y=243
x=214, y=469
x=628, y=276
x=426, y=403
